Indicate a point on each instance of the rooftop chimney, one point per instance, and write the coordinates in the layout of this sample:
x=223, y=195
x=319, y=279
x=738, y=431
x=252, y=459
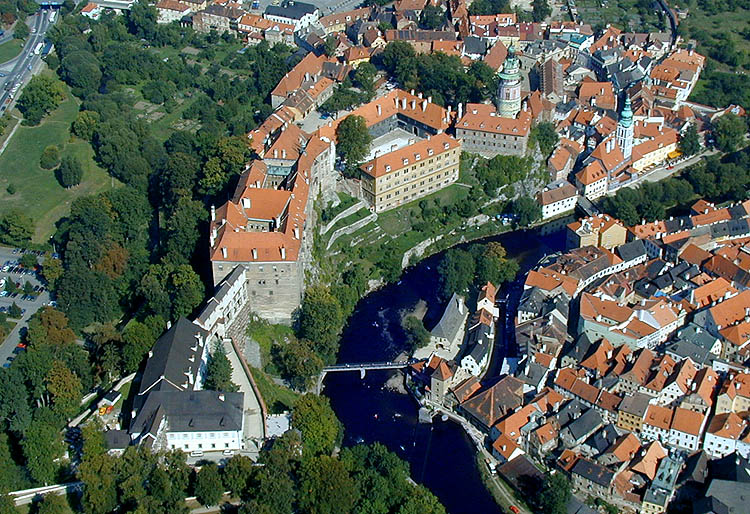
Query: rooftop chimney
x=414, y=104
x=213, y=213
x=246, y=203
x=221, y=397
x=283, y=154
x=379, y=110
x=424, y=105
x=255, y=254
x=224, y=252
x=283, y=253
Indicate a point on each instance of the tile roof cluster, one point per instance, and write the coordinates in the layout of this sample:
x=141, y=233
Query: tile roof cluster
x=420, y=151
x=484, y=118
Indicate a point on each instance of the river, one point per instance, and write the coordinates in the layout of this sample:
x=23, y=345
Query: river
x=441, y=455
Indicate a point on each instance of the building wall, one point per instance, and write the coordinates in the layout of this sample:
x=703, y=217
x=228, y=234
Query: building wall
x=406, y=184
x=629, y=421
x=204, y=441
x=168, y=15
x=553, y=209
x=491, y=144
x=204, y=22
x=274, y=289
x=655, y=157
x=595, y=189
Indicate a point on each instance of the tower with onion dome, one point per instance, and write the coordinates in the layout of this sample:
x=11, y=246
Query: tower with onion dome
x=509, y=87
x=625, y=130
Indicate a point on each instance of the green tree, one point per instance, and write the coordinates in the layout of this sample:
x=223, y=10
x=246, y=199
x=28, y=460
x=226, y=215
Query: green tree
x=321, y=321
x=28, y=288
x=42, y=95
x=85, y=124
x=329, y=46
x=70, y=172
x=421, y=501
x=53, y=504
x=555, y=494
x=432, y=17
x=50, y=157
x=208, y=486
x=730, y=132
x=690, y=141
x=7, y=505
x=455, y=273
x=65, y=388
x=545, y=134
x=219, y=371
x=315, y=419
x=328, y=487
x=540, y=10
x=16, y=228
x=364, y=78
x=354, y=140
x=416, y=335
x=141, y=20
x=42, y=444
x=138, y=338
x=80, y=69
x=298, y=363
x=20, y=29
x=14, y=311
x=527, y=209
x=29, y=260
x=237, y=474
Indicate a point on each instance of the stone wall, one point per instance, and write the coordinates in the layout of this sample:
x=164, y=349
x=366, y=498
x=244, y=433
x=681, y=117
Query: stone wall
x=351, y=228
x=343, y=214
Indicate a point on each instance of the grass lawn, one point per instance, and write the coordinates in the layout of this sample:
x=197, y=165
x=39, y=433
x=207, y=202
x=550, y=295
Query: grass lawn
x=10, y=49
x=278, y=398
x=37, y=191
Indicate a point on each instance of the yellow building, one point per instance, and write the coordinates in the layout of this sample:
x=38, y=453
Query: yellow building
x=654, y=151
x=631, y=412
x=602, y=230
x=401, y=176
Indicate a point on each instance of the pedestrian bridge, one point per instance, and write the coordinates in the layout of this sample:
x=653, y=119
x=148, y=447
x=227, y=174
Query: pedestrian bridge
x=362, y=367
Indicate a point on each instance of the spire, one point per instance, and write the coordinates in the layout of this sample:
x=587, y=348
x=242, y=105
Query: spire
x=626, y=116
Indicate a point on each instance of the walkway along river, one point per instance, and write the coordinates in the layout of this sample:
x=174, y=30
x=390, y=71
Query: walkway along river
x=441, y=455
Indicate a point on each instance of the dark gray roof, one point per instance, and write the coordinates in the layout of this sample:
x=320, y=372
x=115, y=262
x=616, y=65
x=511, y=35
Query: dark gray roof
x=292, y=9
x=593, y=472
x=632, y=250
x=682, y=348
x=171, y=358
x=696, y=468
x=533, y=374
x=580, y=348
x=116, y=439
x=585, y=424
x=190, y=411
x=724, y=497
x=602, y=439
x=635, y=404
x=645, y=287
x=570, y=411
x=656, y=268
x=452, y=319
x=576, y=506
x=732, y=466
x=532, y=300
x=731, y=228
x=479, y=342
x=475, y=45
x=219, y=294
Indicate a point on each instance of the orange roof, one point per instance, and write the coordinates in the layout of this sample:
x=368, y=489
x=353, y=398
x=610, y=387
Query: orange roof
x=488, y=291
x=548, y=400
x=668, y=137
x=566, y=377
x=711, y=217
x=608, y=40
x=543, y=359
x=658, y=416
x=707, y=380
x=484, y=118
x=732, y=310
x=695, y=255
x=608, y=401
x=625, y=447
x=738, y=334
x=557, y=194
x=356, y=53
x=728, y=426
x=511, y=424
x=171, y=5
x=442, y=372
x=409, y=155
x=648, y=461
x=496, y=56
x=567, y=460
x=739, y=385
x=611, y=159
x=592, y=307
x=90, y=7
x=600, y=94
x=687, y=421
x=594, y=172
x=585, y=391
x=254, y=21
x=711, y=292
x=702, y=207
x=545, y=433
x=549, y=280
x=559, y=158
x=347, y=17
x=311, y=65
x=505, y=446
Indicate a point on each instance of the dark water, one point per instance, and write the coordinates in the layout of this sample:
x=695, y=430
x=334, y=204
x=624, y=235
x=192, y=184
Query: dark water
x=441, y=455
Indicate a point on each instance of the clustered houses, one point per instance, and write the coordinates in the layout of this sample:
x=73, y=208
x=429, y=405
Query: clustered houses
x=632, y=376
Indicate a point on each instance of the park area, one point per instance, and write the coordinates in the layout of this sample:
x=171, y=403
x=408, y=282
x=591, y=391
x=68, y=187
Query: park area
x=25, y=186
x=10, y=49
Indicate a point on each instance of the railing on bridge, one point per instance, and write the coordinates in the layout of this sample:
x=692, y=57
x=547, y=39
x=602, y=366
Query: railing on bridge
x=370, y=365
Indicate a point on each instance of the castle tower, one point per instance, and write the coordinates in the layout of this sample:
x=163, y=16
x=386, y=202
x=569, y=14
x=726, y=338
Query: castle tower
x=625, y=130
x=509, y=88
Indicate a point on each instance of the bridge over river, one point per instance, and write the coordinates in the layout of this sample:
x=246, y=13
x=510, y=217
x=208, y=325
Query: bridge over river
x=362, y=367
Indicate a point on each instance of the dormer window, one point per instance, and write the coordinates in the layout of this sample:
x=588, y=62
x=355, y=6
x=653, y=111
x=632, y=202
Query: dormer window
x=406, y=161
x=417, y=157
x=387, y=168
x=446, y=145
x=429, y=151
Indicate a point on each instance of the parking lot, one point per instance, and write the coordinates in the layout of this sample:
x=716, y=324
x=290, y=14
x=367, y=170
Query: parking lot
x=29, y=304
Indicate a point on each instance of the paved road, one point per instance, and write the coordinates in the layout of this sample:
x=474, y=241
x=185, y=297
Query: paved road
x=20, y=69
x=663, y=172
x=31, y=306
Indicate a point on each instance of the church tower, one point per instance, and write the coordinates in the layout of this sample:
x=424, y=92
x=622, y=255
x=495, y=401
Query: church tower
x=509, y=88
x=625, y=130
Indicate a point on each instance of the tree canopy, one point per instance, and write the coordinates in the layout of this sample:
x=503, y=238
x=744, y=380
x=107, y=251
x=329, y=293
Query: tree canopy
x=315, y=419
x=353, y=141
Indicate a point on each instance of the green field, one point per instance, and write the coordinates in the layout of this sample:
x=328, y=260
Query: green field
x=38, y=193
x=10, y=49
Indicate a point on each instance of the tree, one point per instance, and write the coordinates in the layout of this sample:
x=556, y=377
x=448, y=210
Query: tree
x=29, y=261
x=455, y=273
x=540, y=10
x=364, y=78
x=546, y=135
x=353, y=141
x=16, y=228
x=421, y=501
x=237, y=474
x=208, y=487
x=138, y=338
x=7, y=505
x=315, y=419
x=527, y=209
x=50, y=157
x=416, y=335
x=85, y=124
x=53, y=504
x=70, y=172
x=14, y=311
x=80, y=69
x=321, y=321
x=41, y=96
x=65, y=388
x=141, y=19
x=328, y=487
x=730, y=132
x=28, y=287
x=555, y=494
x=42, y=444
x=329, y=46
x=690, y=141
x=219, y=371
x=298, y=363
x=20, y=29
x=432, y=17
